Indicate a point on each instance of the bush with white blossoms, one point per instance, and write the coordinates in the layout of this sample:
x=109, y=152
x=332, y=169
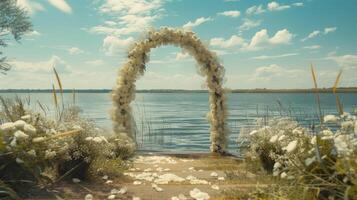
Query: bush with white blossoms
x=319, y=163
x=32, y=145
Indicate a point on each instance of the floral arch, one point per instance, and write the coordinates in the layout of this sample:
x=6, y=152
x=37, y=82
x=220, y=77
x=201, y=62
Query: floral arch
x=124, y=92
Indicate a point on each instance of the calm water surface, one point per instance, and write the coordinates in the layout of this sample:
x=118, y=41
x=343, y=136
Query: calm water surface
x=176, y=122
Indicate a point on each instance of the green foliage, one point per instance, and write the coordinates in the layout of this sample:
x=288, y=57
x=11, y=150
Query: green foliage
x=13, y=21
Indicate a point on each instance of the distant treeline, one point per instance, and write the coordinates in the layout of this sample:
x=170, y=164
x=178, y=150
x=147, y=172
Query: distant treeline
x=258, y=90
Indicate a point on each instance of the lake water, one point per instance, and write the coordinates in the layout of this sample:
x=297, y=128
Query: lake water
x=176, y=122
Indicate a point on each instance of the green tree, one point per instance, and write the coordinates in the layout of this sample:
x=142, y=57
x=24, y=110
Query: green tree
x=14, y=22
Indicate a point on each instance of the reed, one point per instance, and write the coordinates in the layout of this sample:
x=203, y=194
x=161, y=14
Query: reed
x=334, y=90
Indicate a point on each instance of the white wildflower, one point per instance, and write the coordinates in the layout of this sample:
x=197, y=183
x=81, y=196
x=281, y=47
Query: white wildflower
x=340, y=144
x=19, y=124
x=49, y=154
x=28, y=128
x=32, y=153
x=309, y=161
x=77, y=127
x=112, y=196
x=283, y=175
x=123, y=190
x=313, y=140
x=8, y=126
x=13, y=142
x=198, y=194
x=221, y=178
x=26, y=117
x=108, y=182
x=253, y=132
x=281, y=138
x=38, y=139
x=291, y=146
x=88, y=197
x=297, y=131
x=19, y=161
x=330, y=119
x=137, y=183
x=105, y=177
x=21, y=135
x=76, y=180
x=88, y=138
x=277, y=165
x=274, y=138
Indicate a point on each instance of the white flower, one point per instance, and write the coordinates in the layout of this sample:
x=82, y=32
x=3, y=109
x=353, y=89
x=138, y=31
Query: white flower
x=26, y=117
x=89, y=138
x=19, y=161
x=221, y=178
x=5, y=127
x=198, y=194
x=97, y=139
x=297, y=131
x=313, y=140
x=28, y=128
x=21, y=135
x=273, y=139
x=277, y=165
x=330, y=119
x=32, y=152
x=283, y=175
x=291, y=146
x=49, y=154
x=137, y=183
x=281, y=138
x=340, y=144
x=38, y=139
x=105, y=177
x=309, y=161
x=13, y=142
x=76, y=180
x=253, y=132
x=19, y=124
x=88, y=197
x=112, y=196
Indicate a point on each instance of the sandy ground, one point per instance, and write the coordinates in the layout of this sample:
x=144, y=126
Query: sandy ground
x=171, y=177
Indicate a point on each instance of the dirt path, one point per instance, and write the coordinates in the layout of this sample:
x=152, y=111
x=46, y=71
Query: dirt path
x=169, y=177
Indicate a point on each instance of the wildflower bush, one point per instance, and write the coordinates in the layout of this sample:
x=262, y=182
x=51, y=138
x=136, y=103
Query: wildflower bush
x=308, y=163
x=36, y=150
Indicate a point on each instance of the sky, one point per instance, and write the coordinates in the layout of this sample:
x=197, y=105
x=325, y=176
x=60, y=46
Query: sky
x=261, y=44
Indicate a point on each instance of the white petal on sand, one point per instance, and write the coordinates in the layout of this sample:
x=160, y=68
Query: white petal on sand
x=214, y=174
x=137, y=183
x=112, y=196
x=198, y=194
x=215, y=187
x=157, y=188
x=166, y=178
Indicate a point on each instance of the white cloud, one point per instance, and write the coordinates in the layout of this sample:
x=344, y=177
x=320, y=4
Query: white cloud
x=347, y=60
x=255, y=10
x=113, y=45
x=312, y=47
x=312, y=35
x=97, y=62
x=33, y=34
x=133, y=7
x=267, y=73
x=41, y=66
x=316, y=33
x=30, y=6
x=274, y=6
x=265, y=57
x=233, y=41
x=231, y=13
x=182, y=56
x=61, y=5
x=298, y=4
x=197, y=22
x=329, y=30
x=75, y=51
x=248, y=24
x=261, y=39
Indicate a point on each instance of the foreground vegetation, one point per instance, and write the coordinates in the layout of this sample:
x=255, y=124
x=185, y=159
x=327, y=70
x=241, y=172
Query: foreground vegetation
x=305, y=163
x=37, y=151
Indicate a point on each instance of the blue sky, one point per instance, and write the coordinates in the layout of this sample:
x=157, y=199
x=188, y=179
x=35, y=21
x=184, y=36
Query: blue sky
x=262, y=44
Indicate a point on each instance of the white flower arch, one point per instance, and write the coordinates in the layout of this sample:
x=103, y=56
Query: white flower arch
x=209, y=66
